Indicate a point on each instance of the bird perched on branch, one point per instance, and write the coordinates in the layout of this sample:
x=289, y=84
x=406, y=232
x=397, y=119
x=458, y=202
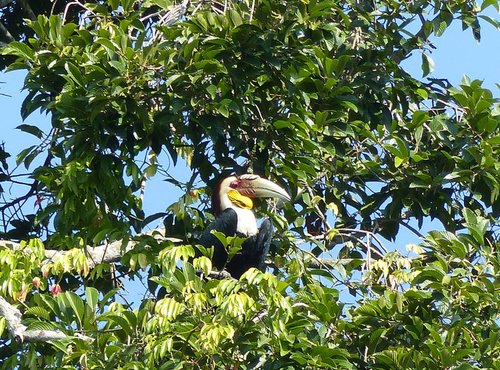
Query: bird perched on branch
x=232, y=205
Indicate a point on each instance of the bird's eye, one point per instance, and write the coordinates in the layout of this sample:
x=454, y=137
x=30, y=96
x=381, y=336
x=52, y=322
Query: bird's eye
x=234, y=184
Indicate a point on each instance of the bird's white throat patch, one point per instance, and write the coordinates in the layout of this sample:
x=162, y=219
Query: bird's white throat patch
x=247, y=223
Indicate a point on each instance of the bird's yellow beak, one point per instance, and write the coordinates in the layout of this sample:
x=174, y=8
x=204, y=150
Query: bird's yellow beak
x=239, y=199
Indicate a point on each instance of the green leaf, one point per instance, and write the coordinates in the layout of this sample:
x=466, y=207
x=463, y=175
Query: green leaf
x=75, y=302
x=427, y=64
x=486, y=3
x=3, y=324
x=74, y=73
x=38, y=312
x=118, y=65
x=108, y=44
x=92, y=296
x=116, y=320
x=41, y=325
x=476, y=225
x=494, y=22
x=19, y=49
x=33, y=130
x=419, y=118
x=235, y=18
x=375, y=337
x=281, y=124
x=439, y=26
x=24, y=153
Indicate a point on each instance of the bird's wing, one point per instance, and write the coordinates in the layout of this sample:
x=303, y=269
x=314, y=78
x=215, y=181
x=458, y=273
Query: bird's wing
x=263, y=242
x=253, y=252
x=225, y=223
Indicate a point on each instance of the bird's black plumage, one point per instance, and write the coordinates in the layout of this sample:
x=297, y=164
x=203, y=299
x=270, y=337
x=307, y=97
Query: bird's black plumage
x=253, y=251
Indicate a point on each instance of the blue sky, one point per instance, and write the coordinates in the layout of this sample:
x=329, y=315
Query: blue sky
x=456, y=54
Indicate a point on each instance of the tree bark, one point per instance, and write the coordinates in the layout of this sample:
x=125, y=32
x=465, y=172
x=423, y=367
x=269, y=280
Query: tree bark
x=21, y=333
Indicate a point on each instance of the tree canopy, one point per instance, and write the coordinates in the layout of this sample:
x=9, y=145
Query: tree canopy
x=309, y=93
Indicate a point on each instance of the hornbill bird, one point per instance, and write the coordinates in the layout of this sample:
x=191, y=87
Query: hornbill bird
x=232, y=205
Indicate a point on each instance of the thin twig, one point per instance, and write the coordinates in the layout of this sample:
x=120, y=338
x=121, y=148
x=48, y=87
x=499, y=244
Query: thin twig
x=252, y=9
x=68, y=5
x=412, y=229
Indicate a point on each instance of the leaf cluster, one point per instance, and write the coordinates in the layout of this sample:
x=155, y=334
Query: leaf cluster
x=309, y=92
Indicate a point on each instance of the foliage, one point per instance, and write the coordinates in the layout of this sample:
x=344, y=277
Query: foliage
x=14, y=13
x=308, y=92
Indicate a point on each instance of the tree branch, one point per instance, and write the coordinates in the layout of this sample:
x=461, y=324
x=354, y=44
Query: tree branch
x=106, y=253
x=171, y=16
x=21, y=333
x=31, y=191
x=321, y=263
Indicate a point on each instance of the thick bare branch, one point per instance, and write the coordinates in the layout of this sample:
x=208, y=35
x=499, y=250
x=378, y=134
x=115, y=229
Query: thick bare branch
x=106, y=253
x=21, y=333
x=321, y=263
x=219, y=275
